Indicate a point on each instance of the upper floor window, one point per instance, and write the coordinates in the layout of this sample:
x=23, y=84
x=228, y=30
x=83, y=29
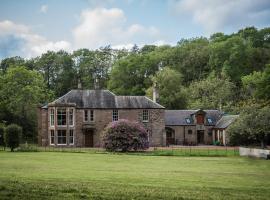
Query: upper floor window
x=71, y=116
x=85, y=115
x=200, y=119
x=91, y=115
x=188, y=120
x=71, y=136
x=61, y=137
x=210, y=121
x=61, y=117
x=115, y=115
x=145, y=115
x=52, y=117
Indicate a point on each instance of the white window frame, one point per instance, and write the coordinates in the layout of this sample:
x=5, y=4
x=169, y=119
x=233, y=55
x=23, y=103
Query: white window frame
x=66, y=117
x=72, y=111
x=52, y=117
x=52, y=131
x=91, y=115
x=145, y=115
x=87, y=114
x=61, y=136
x=71, y=131
x=115, y=114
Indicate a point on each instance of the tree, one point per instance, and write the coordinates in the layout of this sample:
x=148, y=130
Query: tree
x=21, y=91
x=125, y=135
x=257, y=84
x=13, y=134
x=2, y=142
x=211, y=93
x=58, y=71
x=169, y=83
x=253, y=126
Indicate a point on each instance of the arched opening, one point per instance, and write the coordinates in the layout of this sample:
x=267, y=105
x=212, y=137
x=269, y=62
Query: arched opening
x=170, y=136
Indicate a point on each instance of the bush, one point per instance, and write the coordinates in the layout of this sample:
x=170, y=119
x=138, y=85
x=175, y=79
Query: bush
x=2, y=142
x=124, y=135
x=12, y=136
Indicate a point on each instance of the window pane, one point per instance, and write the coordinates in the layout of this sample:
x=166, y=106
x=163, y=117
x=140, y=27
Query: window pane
x=52, y=117
x=71, y=117
x=85, y=115
x=115, y=115
x=71, y=137
x=91, y=115
x=61, y=137
x=52, y=137
x=61, y=117
x=145, y=115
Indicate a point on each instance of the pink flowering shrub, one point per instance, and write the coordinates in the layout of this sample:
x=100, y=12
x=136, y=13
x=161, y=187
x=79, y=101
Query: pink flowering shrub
x=125, y=135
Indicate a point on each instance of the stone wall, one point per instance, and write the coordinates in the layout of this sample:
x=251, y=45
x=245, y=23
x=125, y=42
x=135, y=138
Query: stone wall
x=102, y=117
x=259, y=153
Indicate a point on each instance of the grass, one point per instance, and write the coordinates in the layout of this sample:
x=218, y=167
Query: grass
x=56, y=175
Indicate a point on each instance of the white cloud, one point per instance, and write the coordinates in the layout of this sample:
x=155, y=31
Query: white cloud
x=32, y=44
x=44, y=8
x=101, y=26
x=216, y=15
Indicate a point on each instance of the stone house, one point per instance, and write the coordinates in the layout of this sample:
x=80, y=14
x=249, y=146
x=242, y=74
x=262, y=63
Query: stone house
x=78, y=118
x=193, y=127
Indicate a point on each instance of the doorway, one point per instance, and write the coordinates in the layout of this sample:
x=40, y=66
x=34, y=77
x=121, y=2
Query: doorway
x=88, y=138
x=200, y=137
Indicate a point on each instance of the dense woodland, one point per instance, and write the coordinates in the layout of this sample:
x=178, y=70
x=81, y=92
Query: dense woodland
x=226, y=72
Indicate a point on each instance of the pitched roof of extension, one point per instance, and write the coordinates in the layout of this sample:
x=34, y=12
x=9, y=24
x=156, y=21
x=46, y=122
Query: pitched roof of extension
x=225, y=121
x=105, y=99
x=178, y=117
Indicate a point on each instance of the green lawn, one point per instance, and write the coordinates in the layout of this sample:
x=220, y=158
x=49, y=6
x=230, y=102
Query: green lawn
x=58, y=175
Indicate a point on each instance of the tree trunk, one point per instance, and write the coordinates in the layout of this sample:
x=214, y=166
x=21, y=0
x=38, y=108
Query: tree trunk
x=12, y=149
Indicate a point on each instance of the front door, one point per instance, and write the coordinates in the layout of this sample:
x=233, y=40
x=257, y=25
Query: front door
x=88, y=138
x=200, y=137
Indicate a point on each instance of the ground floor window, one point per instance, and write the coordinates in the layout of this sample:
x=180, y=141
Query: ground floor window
x=52, y=137
x=61, y=137
x=71, y=136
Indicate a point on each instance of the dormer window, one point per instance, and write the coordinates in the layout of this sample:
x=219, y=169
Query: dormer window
x=209, y=120
x=188, y=120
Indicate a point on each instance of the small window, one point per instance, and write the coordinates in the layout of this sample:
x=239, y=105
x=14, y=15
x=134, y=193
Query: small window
x=52, y=137
x=210, y=121
x=115, y=115
x=71, y=137
x=210, y=133
x=71, y=117
x=85, y=115
x=189, y=131
x=61, y=137
x=52, y=117
x=61, y=117
x=145, y=115
x=91, y=115
x=188, y=120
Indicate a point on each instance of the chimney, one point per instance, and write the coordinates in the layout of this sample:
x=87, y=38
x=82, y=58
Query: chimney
x=79, y=85
x=155, y=92
x=96, y=84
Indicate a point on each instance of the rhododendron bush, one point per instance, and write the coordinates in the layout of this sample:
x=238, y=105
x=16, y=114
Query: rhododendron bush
x=125, y=135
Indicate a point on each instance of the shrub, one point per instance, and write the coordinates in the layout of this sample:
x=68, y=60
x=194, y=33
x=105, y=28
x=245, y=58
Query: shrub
x=12, y=136
x=2, y=142
x=124, y=135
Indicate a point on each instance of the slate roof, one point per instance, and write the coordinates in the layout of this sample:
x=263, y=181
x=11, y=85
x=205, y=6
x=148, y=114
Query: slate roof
x=105, y=99
x=178, y=117
x=225, y=121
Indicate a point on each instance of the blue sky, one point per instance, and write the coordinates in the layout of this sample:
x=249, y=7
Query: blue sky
x=29, y=28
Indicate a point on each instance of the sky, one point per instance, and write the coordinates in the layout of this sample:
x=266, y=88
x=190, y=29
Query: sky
x=29, y=28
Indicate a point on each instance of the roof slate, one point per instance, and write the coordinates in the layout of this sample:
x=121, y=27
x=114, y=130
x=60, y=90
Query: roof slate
x=178, y=117
x=105, y=99
x=225, y=121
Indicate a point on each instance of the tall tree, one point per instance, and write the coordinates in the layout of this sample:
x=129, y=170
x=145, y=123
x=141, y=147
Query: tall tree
x=21, y=90
x=172, y=94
